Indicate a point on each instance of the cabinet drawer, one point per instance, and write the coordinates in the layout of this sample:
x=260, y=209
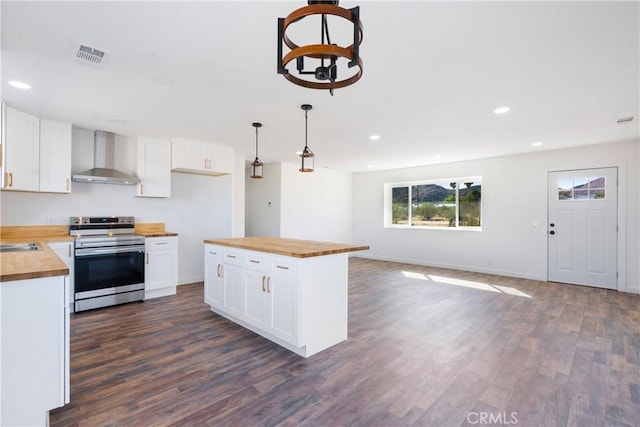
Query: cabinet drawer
x=160, y=243
x=234, y=258
x=284, y=268
x=256, y=261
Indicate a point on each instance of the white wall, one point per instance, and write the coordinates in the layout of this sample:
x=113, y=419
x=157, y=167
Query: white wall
x=514, y=194
x=316, y=205
x=262, y=202
x=237, y=195
x=200, y=207
x=311, y=206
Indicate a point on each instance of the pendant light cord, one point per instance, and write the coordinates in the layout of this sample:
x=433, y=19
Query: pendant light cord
x=256, y=142
x=306, y=112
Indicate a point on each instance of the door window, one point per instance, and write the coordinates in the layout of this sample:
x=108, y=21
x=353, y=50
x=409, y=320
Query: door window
x=581, y=188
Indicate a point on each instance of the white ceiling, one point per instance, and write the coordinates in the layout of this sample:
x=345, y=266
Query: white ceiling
x=433, y=74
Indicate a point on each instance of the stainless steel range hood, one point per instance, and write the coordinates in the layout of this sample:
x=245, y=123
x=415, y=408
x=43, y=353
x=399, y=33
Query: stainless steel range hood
x=103, y=171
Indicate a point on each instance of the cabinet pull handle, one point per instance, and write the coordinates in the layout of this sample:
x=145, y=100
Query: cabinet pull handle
x=11, y=178
x=162, y=243
x=213, y=253
x=69, y=250
x=67, y=185
x=231, y=256
x=141, y=188
x=218, y=271
x=263, y=284
x=254, y=261
x=147, y=256
x=282, y=267
x=221, y=270
x=269, y=284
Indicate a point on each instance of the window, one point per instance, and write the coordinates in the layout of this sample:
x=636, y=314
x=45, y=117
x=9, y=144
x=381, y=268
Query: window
x=444, y=203
x=582, y=188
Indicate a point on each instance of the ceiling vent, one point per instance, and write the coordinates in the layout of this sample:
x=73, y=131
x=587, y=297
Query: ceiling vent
x=625, y=120
x=90, y=55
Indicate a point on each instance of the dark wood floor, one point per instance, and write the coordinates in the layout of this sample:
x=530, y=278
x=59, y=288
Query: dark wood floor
x=426, y=347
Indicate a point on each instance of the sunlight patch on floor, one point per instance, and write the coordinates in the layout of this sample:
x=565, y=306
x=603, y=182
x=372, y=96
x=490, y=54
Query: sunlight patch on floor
x=466, y=283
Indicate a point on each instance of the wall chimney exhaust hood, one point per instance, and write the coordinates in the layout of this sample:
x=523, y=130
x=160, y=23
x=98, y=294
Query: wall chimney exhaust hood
x=103, y=171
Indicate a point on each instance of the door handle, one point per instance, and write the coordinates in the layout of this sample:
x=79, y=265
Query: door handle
x=552, y=232
x=269, y=284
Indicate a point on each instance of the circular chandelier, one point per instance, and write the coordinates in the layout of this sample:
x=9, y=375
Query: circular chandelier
x=324, y=55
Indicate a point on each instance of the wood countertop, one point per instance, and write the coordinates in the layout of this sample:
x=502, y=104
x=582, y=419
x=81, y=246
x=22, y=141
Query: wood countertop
x=45, y=263
x=32, y=264
x=156, y=233
x=288, y=247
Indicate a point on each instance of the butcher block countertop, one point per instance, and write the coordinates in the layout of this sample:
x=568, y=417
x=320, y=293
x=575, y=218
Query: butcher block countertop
x=288, y=247
x=32, y=264
x=153, y=229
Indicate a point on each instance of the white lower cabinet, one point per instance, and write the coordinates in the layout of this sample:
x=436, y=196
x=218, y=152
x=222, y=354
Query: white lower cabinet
x=232, y=294
x=34, y=326
x=213, y=271
x=267, y=294
x=161, y=266
x=64, y=250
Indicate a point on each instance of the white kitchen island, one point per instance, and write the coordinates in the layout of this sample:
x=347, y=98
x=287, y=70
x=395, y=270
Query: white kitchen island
x=292, y=292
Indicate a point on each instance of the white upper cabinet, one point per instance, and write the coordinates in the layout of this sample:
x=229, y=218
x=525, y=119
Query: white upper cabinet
x=20, y=151
x=154, y=167
x=55, y=156
x=200, y=158
x=36, y=153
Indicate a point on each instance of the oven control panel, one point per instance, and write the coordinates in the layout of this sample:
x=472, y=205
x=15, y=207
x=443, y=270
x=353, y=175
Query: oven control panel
x=101, y=220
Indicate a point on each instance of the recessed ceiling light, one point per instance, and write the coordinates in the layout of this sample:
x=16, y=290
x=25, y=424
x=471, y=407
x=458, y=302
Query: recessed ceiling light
x=374, y=137
x=19, y=84
x=536, y=144
x=501, y=110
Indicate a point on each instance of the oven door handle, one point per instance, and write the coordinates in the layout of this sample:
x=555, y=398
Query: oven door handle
x=103, y=251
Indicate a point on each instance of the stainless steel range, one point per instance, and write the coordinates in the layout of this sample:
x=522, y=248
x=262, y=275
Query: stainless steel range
x=109, y=261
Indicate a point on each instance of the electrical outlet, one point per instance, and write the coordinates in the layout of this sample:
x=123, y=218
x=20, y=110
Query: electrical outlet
x=51, y=219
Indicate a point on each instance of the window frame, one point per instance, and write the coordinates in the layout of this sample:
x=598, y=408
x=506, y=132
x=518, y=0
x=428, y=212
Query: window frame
x=388, y=203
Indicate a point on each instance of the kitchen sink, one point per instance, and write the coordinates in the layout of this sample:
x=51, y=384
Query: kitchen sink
x=20, y=247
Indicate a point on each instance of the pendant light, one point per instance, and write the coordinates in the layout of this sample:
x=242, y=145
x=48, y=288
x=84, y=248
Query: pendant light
x=256, y=165
x=306, y=155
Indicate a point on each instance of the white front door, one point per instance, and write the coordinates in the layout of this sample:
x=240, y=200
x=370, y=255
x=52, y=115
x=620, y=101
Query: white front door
x=582, y=228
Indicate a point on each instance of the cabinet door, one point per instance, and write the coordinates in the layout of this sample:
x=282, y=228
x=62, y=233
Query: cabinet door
x=284, y=308
x=161, y=263
x=188, y=156
x=254, y=307
x=232, y=290
x=55, y=156
x=220, y=159
x=214, y=270
x=160, y=269
x=154, y=167
x=21, y=148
